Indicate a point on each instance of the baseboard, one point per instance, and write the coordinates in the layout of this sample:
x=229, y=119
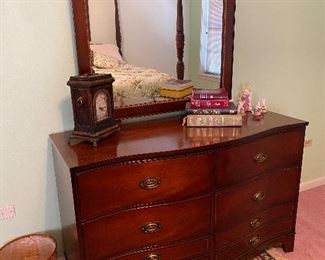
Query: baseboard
x=307, y=185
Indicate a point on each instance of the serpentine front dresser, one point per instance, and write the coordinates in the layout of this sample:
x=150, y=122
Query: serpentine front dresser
x=157, y=190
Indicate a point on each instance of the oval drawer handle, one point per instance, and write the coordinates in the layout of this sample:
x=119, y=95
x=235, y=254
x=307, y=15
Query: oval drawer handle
x=259, y=196
x=150, y=227
x=254, y=241
x=255, y=223
x=150, y=183
x=260, y=157
x=152, y=257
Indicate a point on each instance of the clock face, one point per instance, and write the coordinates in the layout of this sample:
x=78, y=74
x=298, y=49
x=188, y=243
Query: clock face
x=101, y=103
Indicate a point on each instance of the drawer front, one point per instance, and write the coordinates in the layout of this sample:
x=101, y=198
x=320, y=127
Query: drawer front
x=248, y=160
x=191, y=250
x=238, y=248
x=150, y=226
x=274, y=188
x=114, y=188
x=255, y=222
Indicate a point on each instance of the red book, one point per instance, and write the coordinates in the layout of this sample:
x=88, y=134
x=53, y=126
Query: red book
x=201, y=93
x=210, y=103
x=230, y=110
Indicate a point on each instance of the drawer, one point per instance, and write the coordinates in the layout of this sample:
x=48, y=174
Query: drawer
x=114, y=188
x=238, y=248
x=190, y=250
x=251, y=159
x=255, y=222
x=138, y=228
x=245, y=201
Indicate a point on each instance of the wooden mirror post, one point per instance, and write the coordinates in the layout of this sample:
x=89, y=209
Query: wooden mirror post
x=228, y=34
x=82, y=35
x=118, y=28
x=180, y=39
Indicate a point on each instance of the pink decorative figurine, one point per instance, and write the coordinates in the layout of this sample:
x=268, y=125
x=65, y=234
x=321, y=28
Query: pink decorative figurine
x=240, y=108
x=246, y=97
x=257, y=112
x=263, y=106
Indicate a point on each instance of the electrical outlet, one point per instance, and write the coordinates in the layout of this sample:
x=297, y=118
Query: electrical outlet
x=7, y=212
x=308, y=142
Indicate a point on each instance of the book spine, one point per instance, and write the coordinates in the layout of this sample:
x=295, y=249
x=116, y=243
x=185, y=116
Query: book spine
x=215, y=111
x=208, y=103
x=173, y=86
x=208, y=96
x=174, y=93
x=199, y=93
x=213, y=120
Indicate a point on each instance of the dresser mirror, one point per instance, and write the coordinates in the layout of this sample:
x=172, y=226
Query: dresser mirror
x=108, y=31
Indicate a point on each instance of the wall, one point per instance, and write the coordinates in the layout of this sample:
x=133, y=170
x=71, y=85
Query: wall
x=148, y=30
x=323, y=90
x=102, y=13
x=279, y=50
x=37, y=58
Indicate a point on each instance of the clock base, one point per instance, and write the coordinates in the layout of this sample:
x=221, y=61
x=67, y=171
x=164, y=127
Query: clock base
x=94, y=137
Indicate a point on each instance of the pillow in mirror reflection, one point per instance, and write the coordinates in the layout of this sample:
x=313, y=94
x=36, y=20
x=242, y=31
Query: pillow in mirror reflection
x=103, y=61
x=107, y=49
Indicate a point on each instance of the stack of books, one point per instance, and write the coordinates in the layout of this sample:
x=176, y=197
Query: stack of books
x=176, y=88
x=210, y=108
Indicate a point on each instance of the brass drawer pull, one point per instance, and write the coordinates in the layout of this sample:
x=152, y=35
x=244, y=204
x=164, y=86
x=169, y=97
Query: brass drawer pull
x=150, y=183
x=260, y=157
x=152, y=257
x=80, y=101
x=259, y=196
x=150, y=227
x=255, y=223
x=254, y=241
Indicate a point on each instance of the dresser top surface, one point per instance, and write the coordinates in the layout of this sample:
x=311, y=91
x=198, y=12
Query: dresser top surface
x=165, y=137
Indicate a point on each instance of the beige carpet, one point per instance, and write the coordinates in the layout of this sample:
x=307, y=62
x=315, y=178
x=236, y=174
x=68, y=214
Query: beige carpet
x=272, y=254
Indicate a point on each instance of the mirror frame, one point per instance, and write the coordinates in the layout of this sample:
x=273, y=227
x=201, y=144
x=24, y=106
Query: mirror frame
x=82, y=38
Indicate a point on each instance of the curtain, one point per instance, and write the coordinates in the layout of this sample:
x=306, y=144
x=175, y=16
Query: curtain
x=211, y=36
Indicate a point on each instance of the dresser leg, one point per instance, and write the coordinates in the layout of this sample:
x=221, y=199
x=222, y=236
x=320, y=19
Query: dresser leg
x=288, y=245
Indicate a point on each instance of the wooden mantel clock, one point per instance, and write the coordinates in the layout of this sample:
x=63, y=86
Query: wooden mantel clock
x=92, y=102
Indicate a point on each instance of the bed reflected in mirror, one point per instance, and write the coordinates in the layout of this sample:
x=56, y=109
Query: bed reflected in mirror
x=138, y=68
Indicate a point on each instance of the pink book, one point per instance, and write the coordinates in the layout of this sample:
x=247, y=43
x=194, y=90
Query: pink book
x=201, y=93
x=209, y=103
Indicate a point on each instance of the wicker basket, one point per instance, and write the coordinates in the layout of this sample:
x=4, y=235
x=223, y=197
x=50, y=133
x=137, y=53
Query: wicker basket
x=30, y=247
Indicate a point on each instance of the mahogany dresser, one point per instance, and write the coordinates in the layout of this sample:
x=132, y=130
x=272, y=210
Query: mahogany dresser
x=157, y=190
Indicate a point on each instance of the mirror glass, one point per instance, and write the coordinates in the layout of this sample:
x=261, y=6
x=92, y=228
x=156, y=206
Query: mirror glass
x=148, y=30
x=146, y=43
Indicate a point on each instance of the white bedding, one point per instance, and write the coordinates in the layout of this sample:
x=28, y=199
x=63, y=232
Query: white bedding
x=130, y=81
